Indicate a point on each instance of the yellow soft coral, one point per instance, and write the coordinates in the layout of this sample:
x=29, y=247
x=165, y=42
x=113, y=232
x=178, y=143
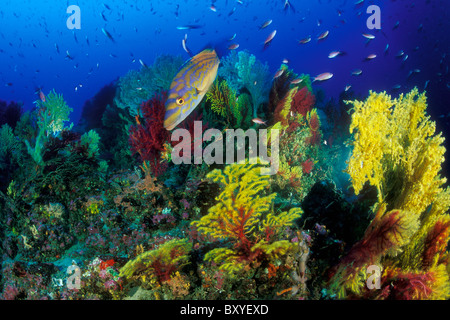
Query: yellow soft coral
x=159, y=264
x=243, y=216
x=397, y=151
x=372, y=121
x=286, y=105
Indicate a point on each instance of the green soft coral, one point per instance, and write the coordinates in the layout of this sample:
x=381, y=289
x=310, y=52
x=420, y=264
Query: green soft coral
x=222, y=98
x=236, y=110
x=9, y=146
x=52, y=115
x=243, y=70
x=91, y=140
x=137, y=86
x=242, y=111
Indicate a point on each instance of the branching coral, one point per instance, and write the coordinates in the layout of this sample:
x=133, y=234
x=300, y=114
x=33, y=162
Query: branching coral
x=409, y=285
x=243, y=111
x=91, y=140
x=283, y=108
x=303, y=101
x=159, y=264
x=280, y=87
x=244, y=70
x=220, y=95
x=52, y=113
x=387, y=233
x=396, y=150
x=53, y=211
x=138, y=86
x=243, y=216
x=314, y=125
x=228, y=70
x=396, y=145
x=224, y=102
x=148, y=138
x=10, y=148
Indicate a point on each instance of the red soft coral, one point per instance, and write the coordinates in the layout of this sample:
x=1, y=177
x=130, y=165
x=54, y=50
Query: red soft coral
x=303, y=101
x=403, y=285
x=314, y=126
x=307, y=166
x=383, y=234
x=380, y=236
x=148, y=138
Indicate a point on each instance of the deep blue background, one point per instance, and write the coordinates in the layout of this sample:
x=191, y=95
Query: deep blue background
x=30, y=29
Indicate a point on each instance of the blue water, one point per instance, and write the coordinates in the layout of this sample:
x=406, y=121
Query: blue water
x=30, y=32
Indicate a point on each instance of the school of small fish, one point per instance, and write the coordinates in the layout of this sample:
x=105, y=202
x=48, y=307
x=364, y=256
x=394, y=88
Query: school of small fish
x=187, y=91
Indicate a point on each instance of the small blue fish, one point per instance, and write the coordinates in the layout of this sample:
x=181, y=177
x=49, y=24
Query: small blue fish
x=190, y=86
x=106, y=33
x=189, y=27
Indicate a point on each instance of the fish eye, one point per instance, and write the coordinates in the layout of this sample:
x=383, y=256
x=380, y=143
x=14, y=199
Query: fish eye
x=180, y=101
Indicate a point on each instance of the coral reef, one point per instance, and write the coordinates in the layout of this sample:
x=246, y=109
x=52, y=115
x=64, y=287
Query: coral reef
x=300, y=161
x=286, y=81
x=101, y=211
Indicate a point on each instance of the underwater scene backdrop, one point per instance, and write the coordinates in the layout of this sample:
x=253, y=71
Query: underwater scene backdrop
x=224, y=150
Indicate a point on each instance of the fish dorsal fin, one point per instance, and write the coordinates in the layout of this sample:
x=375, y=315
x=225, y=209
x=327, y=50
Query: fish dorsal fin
x=193, y=59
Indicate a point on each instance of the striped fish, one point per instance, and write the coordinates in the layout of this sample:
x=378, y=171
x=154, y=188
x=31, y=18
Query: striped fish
x=190, y=86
